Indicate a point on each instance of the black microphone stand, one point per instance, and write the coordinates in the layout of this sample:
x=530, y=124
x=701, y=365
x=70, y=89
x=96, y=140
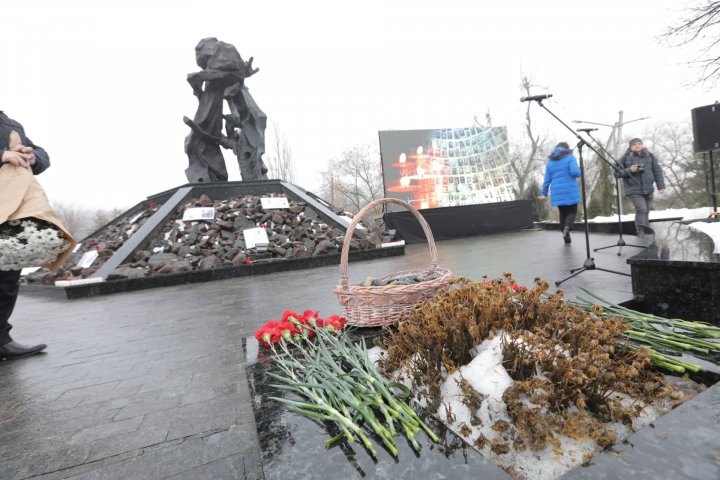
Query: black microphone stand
x=589, y=263
x=620, y=243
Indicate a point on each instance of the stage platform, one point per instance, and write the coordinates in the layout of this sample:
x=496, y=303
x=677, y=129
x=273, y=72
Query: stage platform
x=466, y=220
x=154, y=384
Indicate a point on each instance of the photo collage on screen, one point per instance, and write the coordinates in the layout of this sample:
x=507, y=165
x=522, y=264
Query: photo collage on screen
x=450, y=167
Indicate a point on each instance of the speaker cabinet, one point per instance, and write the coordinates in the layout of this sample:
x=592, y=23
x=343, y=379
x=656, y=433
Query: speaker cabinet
x=706, y=128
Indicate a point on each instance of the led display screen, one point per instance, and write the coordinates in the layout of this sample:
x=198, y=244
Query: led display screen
x=447, y=167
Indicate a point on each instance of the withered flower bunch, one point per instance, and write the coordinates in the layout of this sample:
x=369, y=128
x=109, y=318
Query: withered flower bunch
x=568, y=365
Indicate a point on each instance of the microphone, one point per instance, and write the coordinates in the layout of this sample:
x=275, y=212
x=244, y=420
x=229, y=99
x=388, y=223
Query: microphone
x=586, y=130
x=536, y=97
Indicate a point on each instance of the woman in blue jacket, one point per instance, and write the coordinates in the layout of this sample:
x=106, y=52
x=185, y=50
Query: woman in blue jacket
x=561, y=173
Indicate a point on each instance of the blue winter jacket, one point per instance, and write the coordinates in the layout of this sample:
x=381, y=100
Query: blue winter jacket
x=561, y=172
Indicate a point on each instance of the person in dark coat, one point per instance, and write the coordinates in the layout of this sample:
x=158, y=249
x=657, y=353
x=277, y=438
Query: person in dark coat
x=561, y=174
x=639, y=170
x=26, y=155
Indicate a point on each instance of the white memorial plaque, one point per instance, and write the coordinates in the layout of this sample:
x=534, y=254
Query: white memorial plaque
x=199, y=213
x=136, y=217
x=79, y=281
x=398, y=243
x=87, y=259
x=274, y=202
x=254, y=236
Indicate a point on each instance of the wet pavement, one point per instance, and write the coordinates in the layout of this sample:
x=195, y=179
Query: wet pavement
x=152, y=384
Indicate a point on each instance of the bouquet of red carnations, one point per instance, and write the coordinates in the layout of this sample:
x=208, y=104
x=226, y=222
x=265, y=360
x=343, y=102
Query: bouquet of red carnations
x=293, y=327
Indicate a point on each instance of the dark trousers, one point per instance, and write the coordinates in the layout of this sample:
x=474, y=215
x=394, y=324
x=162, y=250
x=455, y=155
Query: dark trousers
x=9, y=285
x=643, y=204
x=567, y=216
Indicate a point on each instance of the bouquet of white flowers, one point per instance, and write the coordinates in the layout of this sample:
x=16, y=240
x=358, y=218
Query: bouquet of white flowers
x=30, y=242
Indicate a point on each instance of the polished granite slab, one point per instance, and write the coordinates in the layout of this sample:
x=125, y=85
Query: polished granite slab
x=677, y=275
x=684, y=444
x=676, y=243
x=292, y=446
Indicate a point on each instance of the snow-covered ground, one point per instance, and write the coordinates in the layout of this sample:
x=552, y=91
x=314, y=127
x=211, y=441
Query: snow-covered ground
x=486, y=374
x=684, y=213
x=711, y=229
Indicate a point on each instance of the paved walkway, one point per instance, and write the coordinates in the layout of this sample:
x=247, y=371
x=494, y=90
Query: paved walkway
x=152, y=384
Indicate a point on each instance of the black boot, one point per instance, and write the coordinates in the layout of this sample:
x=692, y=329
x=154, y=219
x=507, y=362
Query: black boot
x=566, y=235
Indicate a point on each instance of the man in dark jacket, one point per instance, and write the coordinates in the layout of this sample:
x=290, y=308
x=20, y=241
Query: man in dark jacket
x=640, y=170
x=25, y=155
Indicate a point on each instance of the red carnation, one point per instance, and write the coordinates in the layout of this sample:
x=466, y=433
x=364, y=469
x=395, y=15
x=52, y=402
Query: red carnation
x=290, y=327
x=308, y=315
x=287, y=314
x=334, y=322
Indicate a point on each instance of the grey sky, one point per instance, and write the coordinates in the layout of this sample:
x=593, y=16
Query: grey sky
x=103, y=88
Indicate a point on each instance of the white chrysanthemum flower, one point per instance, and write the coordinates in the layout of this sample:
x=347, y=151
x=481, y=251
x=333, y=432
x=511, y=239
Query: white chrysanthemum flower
x=49, y=234
x=29, y=246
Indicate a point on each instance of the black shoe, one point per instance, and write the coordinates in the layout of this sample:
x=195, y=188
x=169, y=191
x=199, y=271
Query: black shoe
x=13, y=349
x=566, y=235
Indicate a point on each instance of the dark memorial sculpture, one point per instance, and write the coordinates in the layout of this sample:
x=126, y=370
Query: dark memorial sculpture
x=222, y=79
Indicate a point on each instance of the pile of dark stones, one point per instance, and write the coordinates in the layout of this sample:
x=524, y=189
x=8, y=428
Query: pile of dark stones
x=105, y=241
x=184, y=246
x=403, y=280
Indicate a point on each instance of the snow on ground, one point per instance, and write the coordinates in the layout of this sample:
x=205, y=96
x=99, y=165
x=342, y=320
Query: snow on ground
x=712, y=230
x=486, y=374
x=684, y=213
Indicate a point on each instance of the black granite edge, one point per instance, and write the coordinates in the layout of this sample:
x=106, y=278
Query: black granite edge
x=656, y=262
x=258, y=268
x=603, y=465
x=683, y=443
x=291, y=443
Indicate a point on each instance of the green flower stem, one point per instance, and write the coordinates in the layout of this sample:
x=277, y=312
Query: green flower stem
x=671, y=335
x=358, y=358
x=341, y=385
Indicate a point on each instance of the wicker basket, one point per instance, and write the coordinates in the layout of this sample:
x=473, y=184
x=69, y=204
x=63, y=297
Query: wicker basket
x=374, y=306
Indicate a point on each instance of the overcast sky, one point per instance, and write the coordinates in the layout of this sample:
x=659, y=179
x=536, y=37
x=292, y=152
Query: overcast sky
x=103, y=89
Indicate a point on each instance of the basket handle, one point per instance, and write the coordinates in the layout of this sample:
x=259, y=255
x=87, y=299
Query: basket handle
x=356, y=220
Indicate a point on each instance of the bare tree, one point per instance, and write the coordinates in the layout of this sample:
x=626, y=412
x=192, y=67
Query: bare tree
x=353, y=180
x=103, y=217
x=599, y=179
x=526, y=157
x=671, y=143
x=279, y=159
x=75, y=219
x=701, y=26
